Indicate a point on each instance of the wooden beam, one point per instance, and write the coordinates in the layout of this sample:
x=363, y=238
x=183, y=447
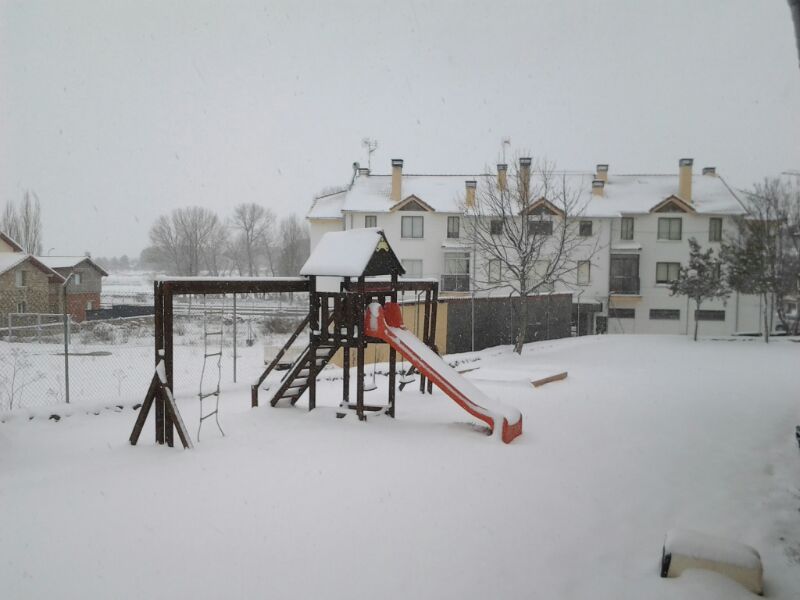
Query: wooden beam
x=544, y=380
x=144, y=410
x=169, y=363
x=222, y=285
x=158, y=320
x=175, y=416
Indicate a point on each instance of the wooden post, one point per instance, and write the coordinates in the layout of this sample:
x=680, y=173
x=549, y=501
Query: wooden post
x=314, y=324
x=359, y=322
x=392, y=356
x=432, y=331
x=168, y=363
x=158, y=320
x=425, y=334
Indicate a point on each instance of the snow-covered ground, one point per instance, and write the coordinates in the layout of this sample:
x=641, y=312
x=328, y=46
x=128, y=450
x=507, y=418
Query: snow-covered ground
x=645, y=435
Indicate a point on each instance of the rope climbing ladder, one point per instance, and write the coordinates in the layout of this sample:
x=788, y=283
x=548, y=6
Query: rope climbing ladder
x=211, y=353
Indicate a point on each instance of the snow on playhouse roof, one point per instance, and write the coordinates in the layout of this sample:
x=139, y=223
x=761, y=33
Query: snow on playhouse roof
x=353, y=253
x=622, y=195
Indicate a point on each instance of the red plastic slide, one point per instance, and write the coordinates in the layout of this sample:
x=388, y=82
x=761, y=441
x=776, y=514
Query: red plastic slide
x=386, y=322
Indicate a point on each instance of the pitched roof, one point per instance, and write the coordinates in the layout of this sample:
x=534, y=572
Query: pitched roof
x=352, y=253
x=622, y=194
x=70, y=262
x=9, y=260
x=11, y=242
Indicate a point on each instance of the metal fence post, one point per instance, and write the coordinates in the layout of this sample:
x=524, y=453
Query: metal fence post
x=66, y=354
x=234, y=338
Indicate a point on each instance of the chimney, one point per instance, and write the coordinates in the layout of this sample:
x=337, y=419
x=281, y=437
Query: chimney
x=525, y=172
x=597, y=187
x=685, y=179
x=471, y=185
x=602, y=173
x=502, y=172
x=710, y=171
x=397, y=177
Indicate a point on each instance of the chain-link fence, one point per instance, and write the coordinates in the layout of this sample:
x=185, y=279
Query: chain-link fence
x=107, y=363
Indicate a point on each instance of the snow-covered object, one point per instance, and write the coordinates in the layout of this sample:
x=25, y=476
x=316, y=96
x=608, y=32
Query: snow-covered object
x=343, y=253
x=692, y=550
x=385, y=322
x=628, y=194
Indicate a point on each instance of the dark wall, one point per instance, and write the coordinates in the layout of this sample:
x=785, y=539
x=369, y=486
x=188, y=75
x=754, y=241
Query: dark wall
x=549, y=317
x=119, y=311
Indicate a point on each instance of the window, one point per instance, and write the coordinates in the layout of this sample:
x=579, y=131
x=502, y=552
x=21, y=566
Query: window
x=624, y=274
x=709, y=315
x=540, y=227
x=585, y=229
x=89, y=305
x=665, y=314
x=453, y=227
x=411, y=227
x=456, y=272
x=76, y=279
x=621, y=313
x=21, y=278
x=716, y=270
x=584, y=272
x=540, y=273
x=715, y=229
x=413, y=267
x=22, y=307
x=626, y=231
x=669, y=228
x=370, y=220
x=667, y=272
x=496, y=227
x=494, y=270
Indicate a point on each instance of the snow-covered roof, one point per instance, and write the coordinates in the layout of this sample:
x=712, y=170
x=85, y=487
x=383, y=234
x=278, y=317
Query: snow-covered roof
x=9, y=260
x=348, y=253
x=623, y=194
x=68, y=262
x=16, y=247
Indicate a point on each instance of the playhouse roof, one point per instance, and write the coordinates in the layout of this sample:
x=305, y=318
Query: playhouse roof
x=353, y=253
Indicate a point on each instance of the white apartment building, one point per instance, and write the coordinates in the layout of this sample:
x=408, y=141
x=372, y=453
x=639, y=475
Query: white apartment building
x=637, y=225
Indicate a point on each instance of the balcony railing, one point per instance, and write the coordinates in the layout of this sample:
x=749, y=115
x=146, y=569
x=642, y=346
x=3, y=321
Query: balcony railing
x=455, y=283
x=624, y=285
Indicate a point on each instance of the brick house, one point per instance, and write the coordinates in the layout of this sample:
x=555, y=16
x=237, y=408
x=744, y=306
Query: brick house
x=26, y=285
x=83, y=290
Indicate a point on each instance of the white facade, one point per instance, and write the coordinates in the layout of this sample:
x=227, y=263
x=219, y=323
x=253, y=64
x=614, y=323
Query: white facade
x=626, y=281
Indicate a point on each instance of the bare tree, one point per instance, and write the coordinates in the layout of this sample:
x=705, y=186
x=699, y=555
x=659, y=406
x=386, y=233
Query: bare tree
x=762, y=258
x=523, y=228
x=188, y=239
x=9, y=222
x=23, y=222
x=254, y=227
x=294, y=245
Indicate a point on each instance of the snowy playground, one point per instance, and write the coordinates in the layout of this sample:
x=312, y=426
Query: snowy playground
x=299, y=504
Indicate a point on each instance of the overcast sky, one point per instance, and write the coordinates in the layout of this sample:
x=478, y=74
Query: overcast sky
x=115, y=112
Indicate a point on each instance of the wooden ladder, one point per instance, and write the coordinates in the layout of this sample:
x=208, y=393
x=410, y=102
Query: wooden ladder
x=297, y=378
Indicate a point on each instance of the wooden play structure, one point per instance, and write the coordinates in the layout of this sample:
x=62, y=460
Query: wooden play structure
x=352, y=281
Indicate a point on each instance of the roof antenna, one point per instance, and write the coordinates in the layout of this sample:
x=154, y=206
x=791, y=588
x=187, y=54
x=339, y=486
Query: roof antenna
x=371, y=145
x=506, y=142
